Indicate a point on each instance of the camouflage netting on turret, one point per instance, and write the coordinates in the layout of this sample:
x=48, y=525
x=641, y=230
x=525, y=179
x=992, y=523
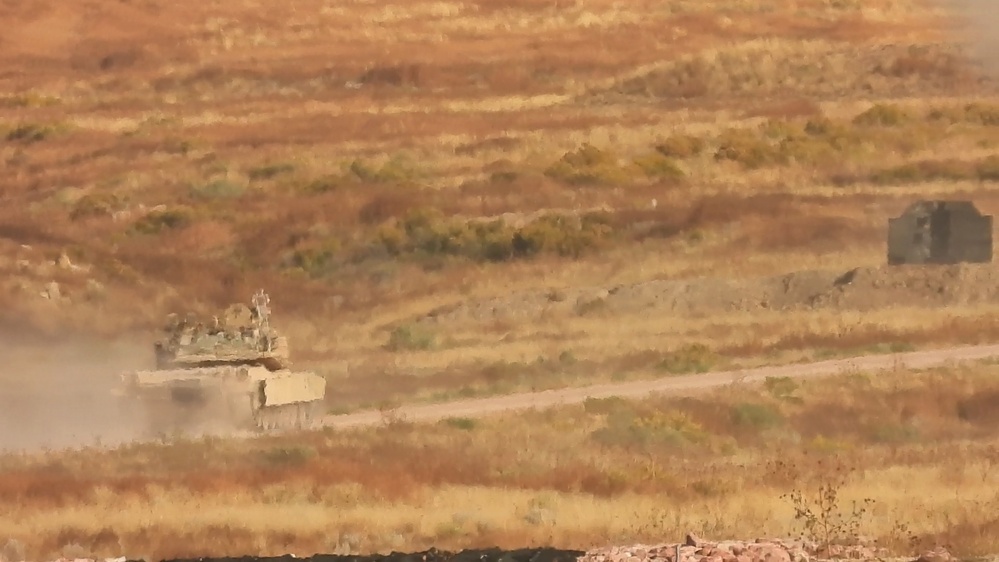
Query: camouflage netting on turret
x=240, y=333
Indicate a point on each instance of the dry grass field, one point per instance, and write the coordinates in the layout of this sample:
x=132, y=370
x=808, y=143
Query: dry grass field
x=473, y=197
x=916, y=450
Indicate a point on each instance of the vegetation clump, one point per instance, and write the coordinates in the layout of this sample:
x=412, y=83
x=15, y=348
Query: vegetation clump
x=589, y=165
x=426, y=232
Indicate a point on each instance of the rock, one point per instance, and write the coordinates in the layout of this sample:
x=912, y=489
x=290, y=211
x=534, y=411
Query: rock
x=64, y=261
x=51, y=291
x=936, y=555
x=12, y=551
x=774, y=554
x=798, y=555
x=95, y=289
x=693, y=540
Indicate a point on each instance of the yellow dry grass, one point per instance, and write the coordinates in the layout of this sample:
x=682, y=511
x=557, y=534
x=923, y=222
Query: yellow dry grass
x=282, y=147
x=921, y=446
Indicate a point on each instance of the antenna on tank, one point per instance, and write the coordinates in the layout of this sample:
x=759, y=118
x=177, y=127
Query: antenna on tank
x=261, y=304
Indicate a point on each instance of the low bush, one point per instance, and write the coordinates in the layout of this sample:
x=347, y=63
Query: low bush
x=396, y=171
x=95, y=205
x=747, y=148
x=634, y=427
x=694, y=358
x=410, y=338
x=270, y=171
x=157, y=221
x=32, y=132
x=986, y=169
x=681, y=146
x=660, y=167
x=756, y=416
x=882, y=115
x=783, y=142
x=975, y=113
x=427, y=233
x=217, y=189
x=589, y=165
x=315, y=260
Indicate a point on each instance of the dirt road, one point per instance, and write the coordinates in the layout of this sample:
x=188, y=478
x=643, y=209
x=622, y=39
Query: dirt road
x=670, y=385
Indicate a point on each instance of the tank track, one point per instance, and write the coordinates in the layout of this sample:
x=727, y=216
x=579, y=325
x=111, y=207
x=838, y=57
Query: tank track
x=303, y=415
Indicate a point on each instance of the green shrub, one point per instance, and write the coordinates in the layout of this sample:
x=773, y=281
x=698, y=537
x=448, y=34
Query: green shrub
x=589, y=165
x=157, y=221
x=882, y=115
x=270, y=171
x=315, y=260
x=973, y=113
x=218, y=189
x=95, y=205
x=986, y=169
x=782, y=388
x=895, y=433
x=561, y=234
x=747, y=148
x=756, y=416
x=598, y=406
x=396, y=170
x=630, y=428
x=290, y=455
x=504, y=176
x=464, y=424
x=681, y=146
x=425, y=232
x=656, y=165
x=825, y=127
x=410, y=338
x=925, y=170
x=694, y=358
x=32, y=132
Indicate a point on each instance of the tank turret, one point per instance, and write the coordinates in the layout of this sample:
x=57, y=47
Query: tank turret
x=241, y=336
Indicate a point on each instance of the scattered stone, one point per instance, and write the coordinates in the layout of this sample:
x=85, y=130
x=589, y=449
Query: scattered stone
x=64, y=261
x=696, y=549
x=52, y=291
x=692, y=549
x=95, y=289
x=936, y=555
x=12, y=551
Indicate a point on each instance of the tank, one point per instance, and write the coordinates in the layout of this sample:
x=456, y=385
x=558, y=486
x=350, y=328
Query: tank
x=227, y=373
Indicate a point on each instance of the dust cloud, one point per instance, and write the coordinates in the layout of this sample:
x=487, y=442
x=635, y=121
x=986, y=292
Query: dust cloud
x=975, y=24
x=58, y=395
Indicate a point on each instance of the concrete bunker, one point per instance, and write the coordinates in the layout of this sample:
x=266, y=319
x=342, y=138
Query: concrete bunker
x=940, y=232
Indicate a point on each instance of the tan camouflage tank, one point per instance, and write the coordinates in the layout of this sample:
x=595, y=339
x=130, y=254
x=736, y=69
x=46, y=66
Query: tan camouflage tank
x=231, y=372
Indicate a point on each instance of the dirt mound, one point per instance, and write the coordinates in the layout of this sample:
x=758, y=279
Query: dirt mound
x=760, y=550
x=432, y=555
x=860, y=289
x=692, y=550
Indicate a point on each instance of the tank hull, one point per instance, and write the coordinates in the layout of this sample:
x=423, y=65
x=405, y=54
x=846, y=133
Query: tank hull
x=223, y=398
